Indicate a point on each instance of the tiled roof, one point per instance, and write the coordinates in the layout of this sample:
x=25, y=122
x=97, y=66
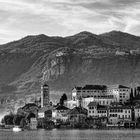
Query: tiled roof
x=121, y=86
x=60, y=107
x=94, y=87
x=78, y=88
x=78, y=110
x=120, y=107
x=45, y=108
x=93, y=104
x=101, y=107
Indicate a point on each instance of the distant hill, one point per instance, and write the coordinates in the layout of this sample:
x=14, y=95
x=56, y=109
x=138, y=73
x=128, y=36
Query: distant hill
x=84, y=58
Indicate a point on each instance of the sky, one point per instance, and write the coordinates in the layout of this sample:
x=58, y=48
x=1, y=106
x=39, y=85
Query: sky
x=19, y=18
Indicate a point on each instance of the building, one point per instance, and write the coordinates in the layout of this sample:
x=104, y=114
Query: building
x=60, y=114
x=45, y=112
x=96, y=110
x=120, y=92
x=77, y=116
x=33, y=123
x=137, y=112
x=44, y=95
x=88, y=91
x=71, y=103
x=115, y=114
x=118, y=114
x=104, y=100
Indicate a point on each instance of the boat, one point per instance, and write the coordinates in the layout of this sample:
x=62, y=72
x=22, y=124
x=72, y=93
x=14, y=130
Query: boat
x=17, y=129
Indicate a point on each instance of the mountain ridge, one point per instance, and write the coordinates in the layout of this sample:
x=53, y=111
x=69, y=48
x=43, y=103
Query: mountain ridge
x=83, y=58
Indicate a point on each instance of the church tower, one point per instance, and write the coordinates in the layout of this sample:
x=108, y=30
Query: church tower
x=44, y=95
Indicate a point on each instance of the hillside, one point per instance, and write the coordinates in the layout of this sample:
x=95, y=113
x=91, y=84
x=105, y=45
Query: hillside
x=84, y=58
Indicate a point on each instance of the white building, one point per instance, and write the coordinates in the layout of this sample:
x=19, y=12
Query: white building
x=137, y=112
x=71, y=103
x=88, y=91
x=105, y=100
x=121, y=93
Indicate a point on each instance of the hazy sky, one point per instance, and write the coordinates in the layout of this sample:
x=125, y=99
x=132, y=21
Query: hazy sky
x=19, y=18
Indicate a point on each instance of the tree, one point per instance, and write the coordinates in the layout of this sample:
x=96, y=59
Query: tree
x=62, y=99
x=17, y=119
x=8, y=119
x=23, y=122
x=131, y=96
x=135, y=92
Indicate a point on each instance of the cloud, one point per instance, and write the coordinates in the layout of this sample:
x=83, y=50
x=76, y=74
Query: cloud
x=19, y=18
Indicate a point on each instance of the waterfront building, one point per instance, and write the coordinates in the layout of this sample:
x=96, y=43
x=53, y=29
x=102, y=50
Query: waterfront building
x=77, y=115
x=120, y=113
x=33, y=123
x=115, y=114
x=120, y=92
x=60, y=113
x=96, y=110
x=44, y=95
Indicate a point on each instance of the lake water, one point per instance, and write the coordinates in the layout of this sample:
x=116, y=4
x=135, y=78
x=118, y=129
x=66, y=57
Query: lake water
x=72, y=135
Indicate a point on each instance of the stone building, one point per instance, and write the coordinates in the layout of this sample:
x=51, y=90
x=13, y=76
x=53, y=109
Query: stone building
x=45, y=95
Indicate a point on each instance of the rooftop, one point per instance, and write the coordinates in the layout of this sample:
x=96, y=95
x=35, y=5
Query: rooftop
x=93, y=104
x=45, y=108
x=94, y=87
x=78, y=110
x=61, y=107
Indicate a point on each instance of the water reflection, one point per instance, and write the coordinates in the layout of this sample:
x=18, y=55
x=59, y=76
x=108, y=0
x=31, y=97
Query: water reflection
x=72, y=135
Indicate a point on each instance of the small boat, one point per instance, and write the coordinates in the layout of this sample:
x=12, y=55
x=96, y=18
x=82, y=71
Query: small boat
x=17, y=129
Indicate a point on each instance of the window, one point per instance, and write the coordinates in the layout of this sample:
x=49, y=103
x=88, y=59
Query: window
x=92, y=111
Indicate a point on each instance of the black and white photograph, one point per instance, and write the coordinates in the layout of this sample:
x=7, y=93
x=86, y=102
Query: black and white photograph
x=69, y=69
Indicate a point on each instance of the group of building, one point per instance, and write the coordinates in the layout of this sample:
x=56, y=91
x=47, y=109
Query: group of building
x=92, y=101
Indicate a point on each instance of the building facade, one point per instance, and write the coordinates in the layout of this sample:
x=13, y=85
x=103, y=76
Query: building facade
x=137, y=112
x=115, y=114
x=88, y=91
x=120, y=92
x=96, y=110
x=60, y=114
x=119, y=114
x=105, y=100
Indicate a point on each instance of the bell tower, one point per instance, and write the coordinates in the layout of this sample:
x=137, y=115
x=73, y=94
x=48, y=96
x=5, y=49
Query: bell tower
x=44, y=95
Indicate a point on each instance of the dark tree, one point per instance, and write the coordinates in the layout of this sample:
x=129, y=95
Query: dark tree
x=8, y=119
x=135, y=92
x=131, y=96
x=17, y=119
x=62, y=99
x=30, y=115
x=23, y=123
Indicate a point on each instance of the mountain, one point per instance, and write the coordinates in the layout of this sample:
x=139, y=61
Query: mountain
x=84, y=58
